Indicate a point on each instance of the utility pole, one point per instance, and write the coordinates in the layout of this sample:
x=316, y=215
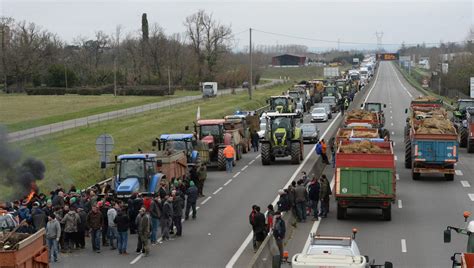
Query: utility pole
x=65, y=73
x=115, y=76
x=338, y=44
x=379, y=36
x=169, y=81
x=251, y=67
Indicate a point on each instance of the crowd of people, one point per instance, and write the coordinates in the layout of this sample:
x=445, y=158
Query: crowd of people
x=70, y=216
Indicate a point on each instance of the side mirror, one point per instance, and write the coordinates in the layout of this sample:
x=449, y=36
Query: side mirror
x=362, y=105
x=301, y=120
x=388, y=264
x=186, y=128
x=385, y=106
x=154, y=143
x=447, y=236
x=268, y=101
x=406, y=110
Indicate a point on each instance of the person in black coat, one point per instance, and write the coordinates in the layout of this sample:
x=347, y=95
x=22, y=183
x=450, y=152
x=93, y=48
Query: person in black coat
x=123, y=223
x=81, y=228
x=259, y=226
x=313, y=194
x=255, y=140
x=279, y=231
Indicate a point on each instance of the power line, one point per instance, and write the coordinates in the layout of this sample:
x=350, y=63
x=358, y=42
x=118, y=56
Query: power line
x=379, y=40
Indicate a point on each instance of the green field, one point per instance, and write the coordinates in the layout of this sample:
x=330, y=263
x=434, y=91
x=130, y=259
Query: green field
x=71, y=158
x=19, y=111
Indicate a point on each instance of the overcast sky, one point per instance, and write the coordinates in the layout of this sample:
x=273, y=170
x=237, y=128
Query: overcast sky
x=349, y=21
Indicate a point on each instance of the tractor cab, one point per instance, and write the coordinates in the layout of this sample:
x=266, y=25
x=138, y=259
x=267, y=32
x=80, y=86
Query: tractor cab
x=136, y=173
x=178, y=142
x=462, y=104
x=281, y=104
x=375, y=107
x=210, y=131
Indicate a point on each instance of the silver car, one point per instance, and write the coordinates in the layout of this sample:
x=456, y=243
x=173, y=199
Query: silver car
x=319, y=114
x=310, y=133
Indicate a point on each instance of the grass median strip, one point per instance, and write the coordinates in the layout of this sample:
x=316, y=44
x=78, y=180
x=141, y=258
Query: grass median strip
x=71, y=157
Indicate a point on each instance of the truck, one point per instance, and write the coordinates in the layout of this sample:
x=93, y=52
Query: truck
x=142, y=172
x=243, y=130
x=209, y=89
x=359, y=118
x=427, y=150
x=316, y=90
x=365, y=180
x=465, y=259
x=23, y=250
x=377, y=108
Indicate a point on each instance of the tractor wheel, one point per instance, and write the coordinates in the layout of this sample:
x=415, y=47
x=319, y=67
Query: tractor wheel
x=415, y=176
x=295, y=153
x=387, y=213
x=266, y=154
x=302, y=151
x=385, y=133
x=470, y=146
x=449, y=177
x=341, y=212
x=408, y=154
x=221, y=165
x=463, y=133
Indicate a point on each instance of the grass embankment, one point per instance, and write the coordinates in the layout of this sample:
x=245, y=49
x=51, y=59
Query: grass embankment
x=297, y=73
x=20, y=111
x=71, y=158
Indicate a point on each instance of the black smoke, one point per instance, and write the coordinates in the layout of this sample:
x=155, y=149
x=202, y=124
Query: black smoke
x=20, y=175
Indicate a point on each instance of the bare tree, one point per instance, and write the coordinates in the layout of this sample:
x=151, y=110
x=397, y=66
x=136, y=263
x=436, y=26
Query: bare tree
x=5, y=26
x=195, y=32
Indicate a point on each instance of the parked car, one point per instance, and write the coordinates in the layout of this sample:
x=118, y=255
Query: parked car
x=319, y=114
x=333, y=102
x=326, y=106
x=310, y=132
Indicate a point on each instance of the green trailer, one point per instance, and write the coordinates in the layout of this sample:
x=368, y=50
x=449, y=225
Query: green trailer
x=365, y=180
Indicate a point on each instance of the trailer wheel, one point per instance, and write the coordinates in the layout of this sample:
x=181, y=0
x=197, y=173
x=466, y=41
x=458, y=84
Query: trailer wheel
x=449, y=177
x=295, y=153
x=341, y=212
x=387, y=213
x=470, y=147
x=221, y=159
x=415, y=176
x=408, y=154
x=265, y=154
x=463, y=134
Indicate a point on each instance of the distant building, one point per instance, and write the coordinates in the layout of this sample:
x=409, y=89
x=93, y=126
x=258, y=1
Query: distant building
x=288, y=60
x=451, y=56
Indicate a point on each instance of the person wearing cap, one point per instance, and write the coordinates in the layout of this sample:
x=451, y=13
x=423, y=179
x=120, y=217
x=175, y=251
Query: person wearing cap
x=279, y=231
x=144, y=227
x=192, y=196
x=38, y=216
x=105, y=228
x=123, y=223
x=70, y=221
x=53, y=233
x=178, y=205
x=166, y=216
x=95, y=221
x=48, y=209
x=81, y=228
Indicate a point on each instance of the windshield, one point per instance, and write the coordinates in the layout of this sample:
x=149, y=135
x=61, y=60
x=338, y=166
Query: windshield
x=464, y=104
x=329, y=100
x=294, y=95
x=208, y=86
x=178, y=145
x=132, y=168
x=263, y=126
x=319, y=110
x=281, y=122
x=279, y=101
x=308, y=128
x=363, y=72
x=207, y=130
x=373, y=107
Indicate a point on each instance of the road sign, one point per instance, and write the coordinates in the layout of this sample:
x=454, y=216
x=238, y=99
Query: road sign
x=405, y=58
x=355, y=60
x=104, y=144
x=472, y=87
x=387, y=56
x=331, y=71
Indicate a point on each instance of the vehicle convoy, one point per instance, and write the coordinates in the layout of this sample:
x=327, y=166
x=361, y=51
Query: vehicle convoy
x=213, y=134
x=143, y=172
x=365, y=176
x=209, y=89
x=23, y=250
x=310, y=132
x=469, y=125
x=282, y=138
x=241, y=127
x=282, y=104
x=332, y=101
x=376, y=107
x=361, y=118
x=334, y=251
x=431, y=140
x=319, y=114
x=465, y=259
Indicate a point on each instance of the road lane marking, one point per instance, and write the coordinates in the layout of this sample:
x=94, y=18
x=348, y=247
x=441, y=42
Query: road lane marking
x=391, y=111
x=394, y=143
x=400, y=205
x=396, y=75
x=465, y=184
x=236, y=174
x=391, y=124
x=398, y=177
x=370, y=91
x=404, y=246
x=391, y=117
x=471, y=196
x=249, y=237
x=218, y=190
x=393, y=133
x=205, y=200
x=225, y=184
x=458, y=172
x=396, y=158
x=137, y=259
x=244, y=168
x=251, y=162
x=257, y=157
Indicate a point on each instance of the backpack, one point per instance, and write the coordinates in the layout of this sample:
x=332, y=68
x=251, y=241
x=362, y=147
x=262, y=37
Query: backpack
x=319, y=149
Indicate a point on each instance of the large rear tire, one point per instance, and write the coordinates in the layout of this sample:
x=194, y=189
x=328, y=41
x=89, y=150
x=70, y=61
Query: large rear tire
x=221, y=165
x=387, y=213
x=408, y=163
x=463, y=135
x=415, y=176
x=265, y=154
x=295, y=153
x=470, y=146
x=341, y=212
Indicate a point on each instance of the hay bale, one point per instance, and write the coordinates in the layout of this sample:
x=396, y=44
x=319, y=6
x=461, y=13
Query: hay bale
x=362, y=147
x=435, y=125
x=427, y=98
x=358, y=134
x=359, y=115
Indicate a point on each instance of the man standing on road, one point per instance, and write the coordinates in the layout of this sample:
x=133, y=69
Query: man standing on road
x=279, y=231
x=259, y=227
x=166, y=215
x=325, y=191
x=301, y=198
x=123, y=223
x=144, y=227
x=314, y=196
x=70, y=221
x=202, y=178
x=155, y=213
x=192, y=195
x=178, y=205
x=255, y=139
x=324, y=151
x=252, y=223
x=95, y=222
x=112, y=226
x=53, y=233
x=229, y=153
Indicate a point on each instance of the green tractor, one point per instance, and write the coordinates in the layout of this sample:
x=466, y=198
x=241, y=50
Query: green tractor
x=282, y=138
x=460, y=117
x=282, y=104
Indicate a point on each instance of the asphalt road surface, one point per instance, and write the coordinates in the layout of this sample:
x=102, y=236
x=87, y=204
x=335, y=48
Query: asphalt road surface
x=423, y=209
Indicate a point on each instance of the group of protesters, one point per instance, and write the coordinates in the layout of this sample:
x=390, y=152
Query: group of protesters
x=69, y=216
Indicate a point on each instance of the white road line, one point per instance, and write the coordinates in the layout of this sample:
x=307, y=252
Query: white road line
x=396, y=158
x=458, y=172
x=394, y=143
x=465, y=184
x=471, y=196
x=373, y=86
x=404, y=245
x=258, y=156
x=251, y=162
x=391, y=124
x=247, y=240
x=225, y=184
x=205, y=200
x=396, y=75
x=218, y=190
x=245, y=167
x=400, y=205
x=236, y=174
x=393, y=133
x=398, y=177
x=136, y=259
x=391, y=117
x=391, y=111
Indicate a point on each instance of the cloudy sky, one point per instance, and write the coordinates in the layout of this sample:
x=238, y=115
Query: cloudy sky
x=349, y=21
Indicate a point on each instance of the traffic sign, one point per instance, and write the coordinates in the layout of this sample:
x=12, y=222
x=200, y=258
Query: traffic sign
x=472, y=87
x=104, y=144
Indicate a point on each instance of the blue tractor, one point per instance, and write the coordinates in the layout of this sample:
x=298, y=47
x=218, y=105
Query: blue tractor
x=180, y=142
x=136, y=173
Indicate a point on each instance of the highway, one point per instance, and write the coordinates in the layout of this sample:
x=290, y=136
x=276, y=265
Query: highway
x=414, y=237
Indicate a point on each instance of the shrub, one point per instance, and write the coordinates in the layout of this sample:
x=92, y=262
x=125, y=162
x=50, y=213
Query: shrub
x=46, y=91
